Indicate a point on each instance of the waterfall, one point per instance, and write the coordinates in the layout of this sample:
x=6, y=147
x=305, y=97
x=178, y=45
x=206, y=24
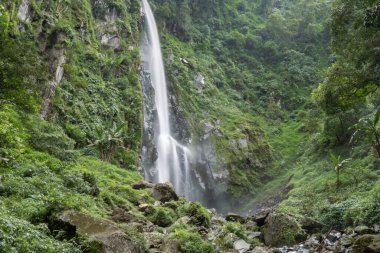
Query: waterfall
x=171, y=157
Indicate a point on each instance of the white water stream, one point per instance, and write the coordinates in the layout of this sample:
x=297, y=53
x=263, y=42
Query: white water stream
x=172, y=164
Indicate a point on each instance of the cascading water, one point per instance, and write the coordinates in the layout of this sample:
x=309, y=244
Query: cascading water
x=171, y=159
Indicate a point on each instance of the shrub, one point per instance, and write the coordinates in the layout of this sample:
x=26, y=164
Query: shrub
x=163, y=217
x=198, y=214
x=51, y=138
x=192, y=242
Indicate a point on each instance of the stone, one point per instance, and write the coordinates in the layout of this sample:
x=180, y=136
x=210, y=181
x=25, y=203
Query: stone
x=282, y=230
x=121, y=215
x=241, y=246
x=199, y=80
x=311, y=225
x=144, y=207
x=112, y=41
x=334, y=236
x=235, y=218
x=260, y=217
x=346, y=242
x=171, y=246
x=376, y=228
x=154, y=240
x=367, y=243
x=183, y=221
x=260, y=250
x=110, y=237
x=255, y=235
x=164, y=192
x=142, y=185
x=23, y=11
x=361, y=230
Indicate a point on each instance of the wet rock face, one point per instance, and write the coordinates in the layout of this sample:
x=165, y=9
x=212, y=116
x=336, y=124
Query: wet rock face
x=108, y=235
x=164, y=192
x=282, y=229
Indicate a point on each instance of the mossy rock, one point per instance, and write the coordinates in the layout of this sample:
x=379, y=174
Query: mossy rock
x=367, y=243
x=282, y=230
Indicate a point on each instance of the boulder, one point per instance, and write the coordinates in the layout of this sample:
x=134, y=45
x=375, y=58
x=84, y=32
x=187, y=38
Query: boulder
x=241, y=246
x=235, y=218
x=367, y=243
x=311, y=226
x=281, y=229
x=142, y=185
x=110, y=238
x=121, y=215
x=361, y=230
x=260, y=217
x=164, y=192
x=171, y=246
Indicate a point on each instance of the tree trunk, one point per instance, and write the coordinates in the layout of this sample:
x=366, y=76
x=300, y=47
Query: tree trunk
x=337, y=178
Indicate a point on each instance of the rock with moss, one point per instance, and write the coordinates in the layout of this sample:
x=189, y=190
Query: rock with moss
x=367, y=243
x=164, y=192
x=282, y=230
x=107, y=235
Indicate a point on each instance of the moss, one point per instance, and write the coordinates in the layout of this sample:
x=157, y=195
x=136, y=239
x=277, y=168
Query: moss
x=162, y=216
x=191, y=241
x=198, y=214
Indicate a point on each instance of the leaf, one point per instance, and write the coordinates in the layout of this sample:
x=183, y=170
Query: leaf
x=334, y=159
x=377, y=117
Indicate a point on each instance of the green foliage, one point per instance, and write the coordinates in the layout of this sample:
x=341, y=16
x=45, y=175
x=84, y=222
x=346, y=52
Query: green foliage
x=20, y=236
x=163, y=216
x=339, y=165
x=354, y=75
x=52, y=139
x=198, y=214
x=192, y=242
x=369, y=127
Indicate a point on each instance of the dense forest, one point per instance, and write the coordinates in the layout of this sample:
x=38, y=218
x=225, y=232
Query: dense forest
x=279, y=99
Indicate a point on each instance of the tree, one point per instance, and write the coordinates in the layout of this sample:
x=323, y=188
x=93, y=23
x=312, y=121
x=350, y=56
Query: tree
x=369, y=127
x=355, y=74
x=109, y=141
x=338, y=166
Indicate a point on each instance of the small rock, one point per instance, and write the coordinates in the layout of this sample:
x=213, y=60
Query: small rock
x=312, y=242
x=346, y=242
x=241, y=246
x=183, y=221
x=164, y=192
x=142, y=185
x=260, y=250
x=143, y=207
x=376, y=228
x=361, y=230
x=255, y=235
x=334, y=236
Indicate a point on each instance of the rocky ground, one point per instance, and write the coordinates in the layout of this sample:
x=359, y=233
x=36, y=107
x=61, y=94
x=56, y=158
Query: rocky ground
x=267, y=231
